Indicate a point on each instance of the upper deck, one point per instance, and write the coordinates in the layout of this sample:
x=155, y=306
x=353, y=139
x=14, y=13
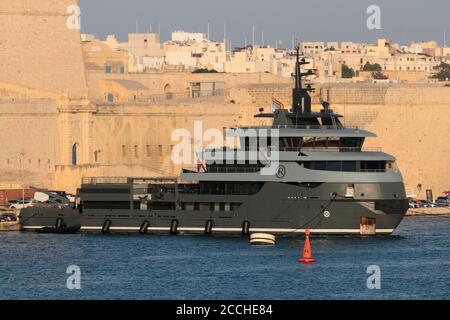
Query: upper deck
x=300, y=131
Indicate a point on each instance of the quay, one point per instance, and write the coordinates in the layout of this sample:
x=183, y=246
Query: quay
x=436, y=211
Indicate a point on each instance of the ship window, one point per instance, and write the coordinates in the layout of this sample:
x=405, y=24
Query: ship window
x=334, y=165
x=373, y=165
x=320, y=165
x=351, y=143
x=349, y=166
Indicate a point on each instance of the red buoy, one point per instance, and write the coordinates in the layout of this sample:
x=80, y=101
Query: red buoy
x=307, y=254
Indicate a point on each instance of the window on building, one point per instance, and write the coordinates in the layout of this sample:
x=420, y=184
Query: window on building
x=108, y=69
x=75, y=154
x=136, y=151
x=110, y=97
x=147, y=148
x=124, y=150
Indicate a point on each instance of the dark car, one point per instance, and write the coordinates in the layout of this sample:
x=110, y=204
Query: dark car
x=441, y=202
x=11, y=202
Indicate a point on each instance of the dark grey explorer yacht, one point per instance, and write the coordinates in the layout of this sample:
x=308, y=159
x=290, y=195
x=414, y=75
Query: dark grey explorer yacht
x=313, y=174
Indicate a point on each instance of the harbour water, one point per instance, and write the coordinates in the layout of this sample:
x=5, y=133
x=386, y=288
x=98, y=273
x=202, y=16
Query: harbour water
x=414, y=264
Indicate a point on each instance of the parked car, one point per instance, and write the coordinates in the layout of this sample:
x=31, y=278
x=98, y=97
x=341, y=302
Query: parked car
x=413, y=204
x=442, y=202
x=426, y=204
x=11, y=202
x=8, y=217
x=26, y=203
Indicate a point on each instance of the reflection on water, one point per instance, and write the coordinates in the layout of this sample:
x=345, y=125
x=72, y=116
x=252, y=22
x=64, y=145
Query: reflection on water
x=415, y=264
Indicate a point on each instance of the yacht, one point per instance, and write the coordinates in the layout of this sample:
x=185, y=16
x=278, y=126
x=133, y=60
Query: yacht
x=304, y=171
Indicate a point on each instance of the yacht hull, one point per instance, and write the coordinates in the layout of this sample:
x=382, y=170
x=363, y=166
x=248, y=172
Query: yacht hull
x=278, y=208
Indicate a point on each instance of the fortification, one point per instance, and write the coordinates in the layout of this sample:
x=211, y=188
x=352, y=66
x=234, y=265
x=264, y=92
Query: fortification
x=37, y=48
x=53, y=133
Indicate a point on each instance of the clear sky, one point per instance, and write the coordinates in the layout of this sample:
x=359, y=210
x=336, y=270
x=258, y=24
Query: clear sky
x=403, y=21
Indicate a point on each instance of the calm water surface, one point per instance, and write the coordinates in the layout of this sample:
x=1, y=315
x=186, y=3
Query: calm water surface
x=415, y=264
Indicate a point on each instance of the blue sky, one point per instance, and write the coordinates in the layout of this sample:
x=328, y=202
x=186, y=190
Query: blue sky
x=342, y=20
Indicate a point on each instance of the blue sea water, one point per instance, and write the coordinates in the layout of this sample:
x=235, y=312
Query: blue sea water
x=414, y=264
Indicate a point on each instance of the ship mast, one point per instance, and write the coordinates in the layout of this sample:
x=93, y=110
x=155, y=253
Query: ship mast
x=301, y=100
x=297, y=91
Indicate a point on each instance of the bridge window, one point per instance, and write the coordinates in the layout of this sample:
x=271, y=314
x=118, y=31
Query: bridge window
x=346, y=166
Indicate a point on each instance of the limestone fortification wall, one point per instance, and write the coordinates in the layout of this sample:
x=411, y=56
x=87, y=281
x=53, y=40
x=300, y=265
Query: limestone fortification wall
x=29, y=142
x=37, y=50
x=181, y=81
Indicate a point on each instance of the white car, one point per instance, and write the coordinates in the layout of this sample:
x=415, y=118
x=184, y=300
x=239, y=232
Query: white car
x=22, y=204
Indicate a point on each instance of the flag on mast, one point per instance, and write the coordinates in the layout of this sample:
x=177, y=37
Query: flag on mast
x=200, y=165
x=276, y=104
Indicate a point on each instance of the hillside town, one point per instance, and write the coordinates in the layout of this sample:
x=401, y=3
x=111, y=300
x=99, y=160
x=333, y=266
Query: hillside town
x=419, y=62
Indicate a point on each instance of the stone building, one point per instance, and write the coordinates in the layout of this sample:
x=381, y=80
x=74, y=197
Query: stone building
x=58, y=124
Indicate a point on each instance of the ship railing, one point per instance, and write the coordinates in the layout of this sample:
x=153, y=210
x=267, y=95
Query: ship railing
x=376, y=170
x=293, y=126
x=174, y=96
x=299, y=149
x=329, y=149
x=104, y=180
x=224, y=169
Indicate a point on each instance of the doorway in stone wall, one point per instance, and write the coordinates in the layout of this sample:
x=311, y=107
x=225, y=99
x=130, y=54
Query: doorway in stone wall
x=75, y=148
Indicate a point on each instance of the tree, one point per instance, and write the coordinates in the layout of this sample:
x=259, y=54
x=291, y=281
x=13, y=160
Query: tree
x=204, y=71
x=443, y=72
x=378, y=75
x=372, y=67
x=347, y=72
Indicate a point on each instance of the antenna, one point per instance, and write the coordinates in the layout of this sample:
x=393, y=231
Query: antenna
x=262, y=38
x=225, y=35
x=137, y=26
x=208, y=29
x=253, y=38
x=445, y=38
